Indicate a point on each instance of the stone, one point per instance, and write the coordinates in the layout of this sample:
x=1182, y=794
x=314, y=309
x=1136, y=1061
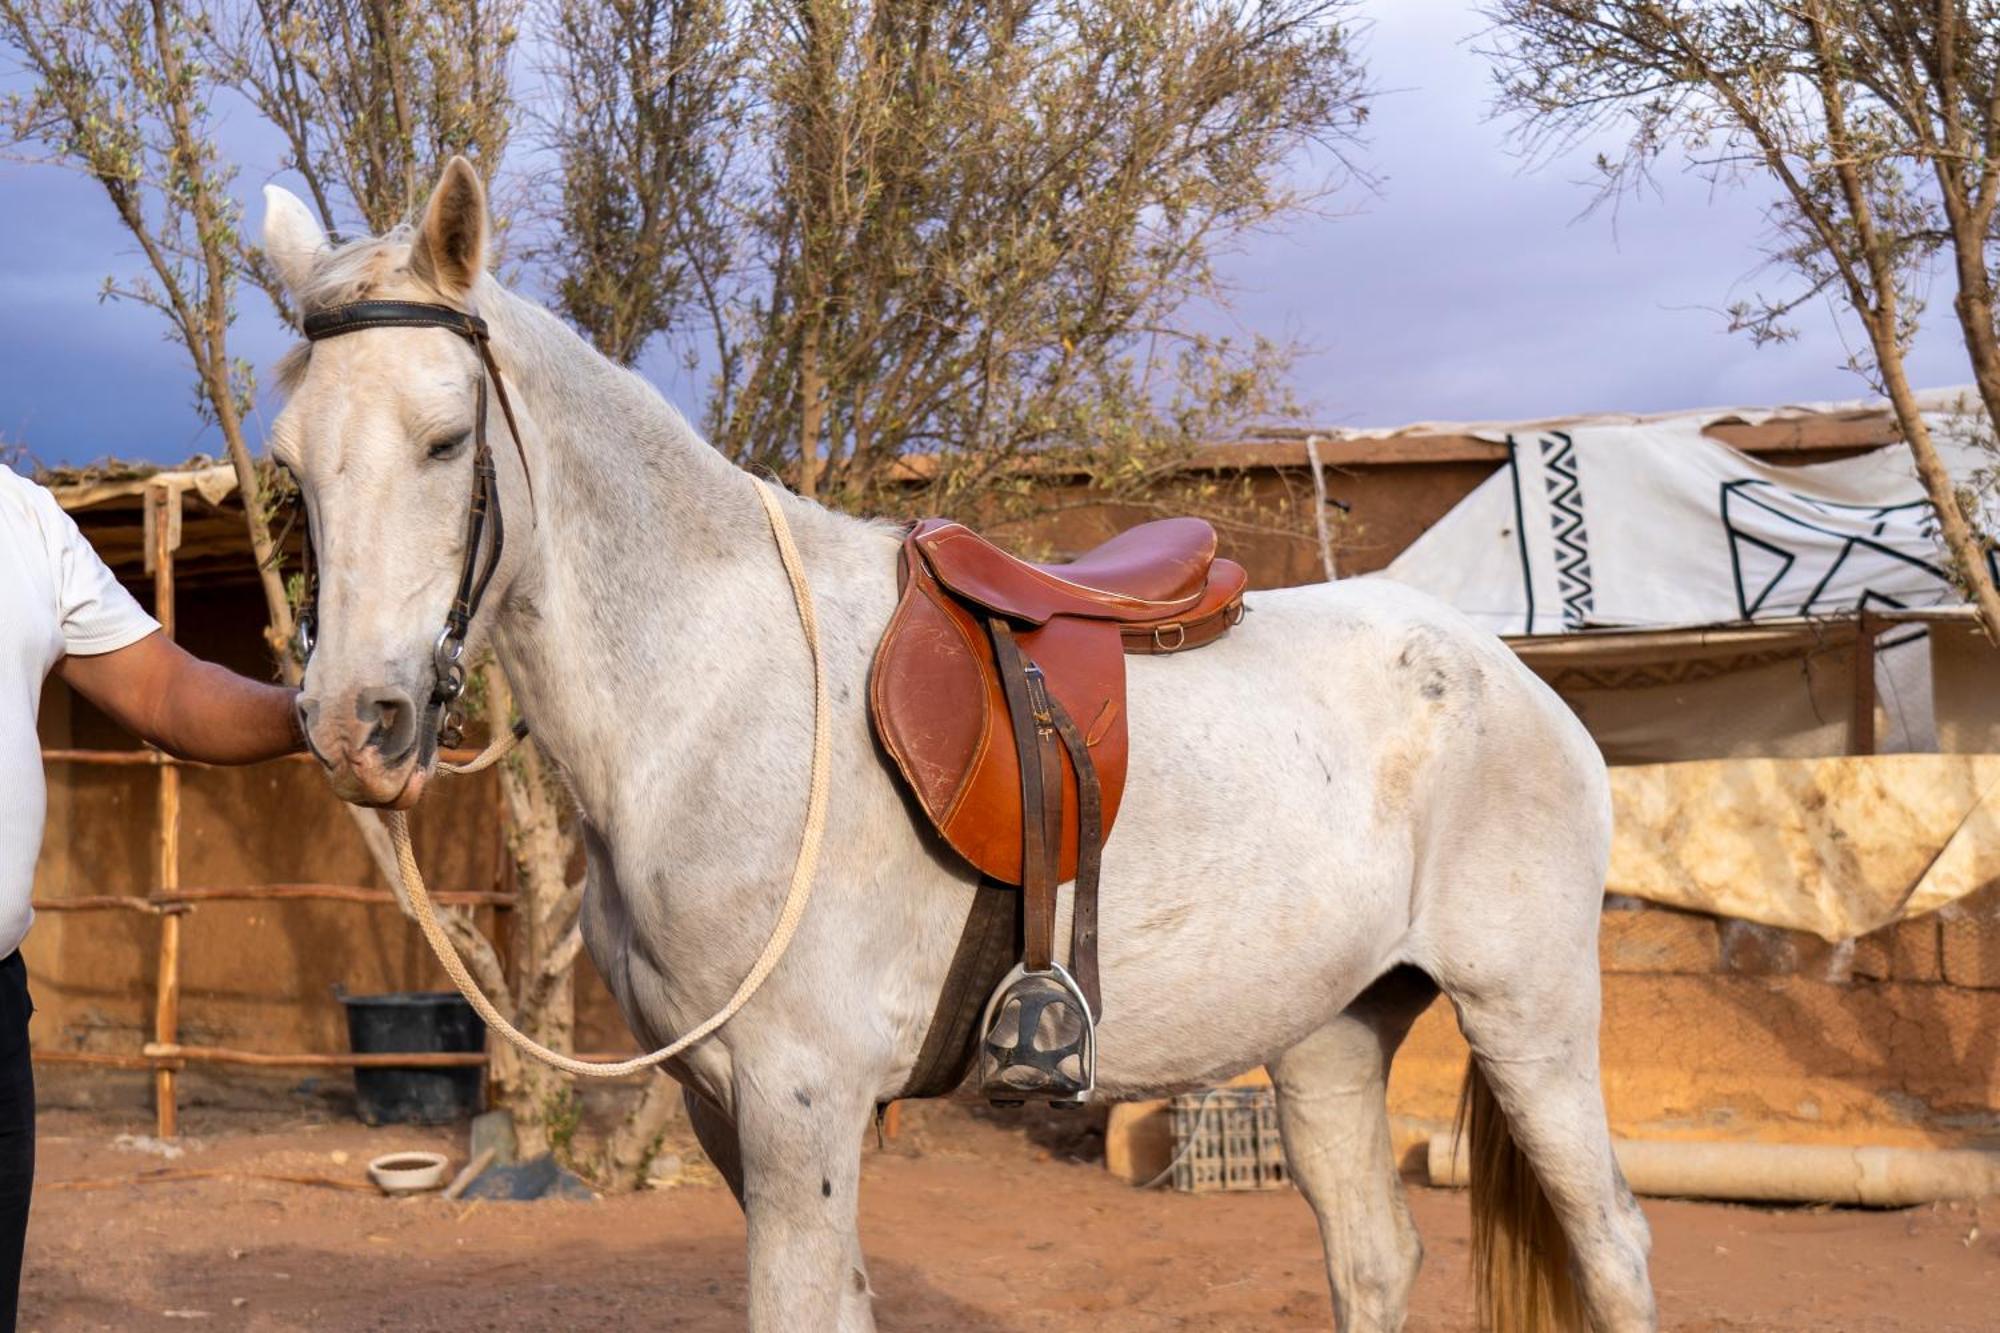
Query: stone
x=1751, y=950
x=665, y=1171
x=1970, y=952
x=536, y=1178
x=1874, y=957
x=495, y=1130
x=1918, y=955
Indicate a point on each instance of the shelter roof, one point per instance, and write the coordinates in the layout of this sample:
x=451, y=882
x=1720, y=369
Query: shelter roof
x=108, y=498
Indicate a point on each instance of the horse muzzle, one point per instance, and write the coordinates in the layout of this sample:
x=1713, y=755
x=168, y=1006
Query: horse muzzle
x=372, y=745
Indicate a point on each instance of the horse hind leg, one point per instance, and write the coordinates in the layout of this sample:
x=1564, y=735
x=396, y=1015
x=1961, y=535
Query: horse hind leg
x=1545, y=1185
x=1333, y=1111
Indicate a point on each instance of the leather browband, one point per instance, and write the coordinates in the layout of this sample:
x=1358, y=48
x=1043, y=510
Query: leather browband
x=359, y=315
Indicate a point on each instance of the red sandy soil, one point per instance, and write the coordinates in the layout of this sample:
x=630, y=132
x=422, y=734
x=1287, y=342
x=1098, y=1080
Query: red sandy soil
x=971, y=1223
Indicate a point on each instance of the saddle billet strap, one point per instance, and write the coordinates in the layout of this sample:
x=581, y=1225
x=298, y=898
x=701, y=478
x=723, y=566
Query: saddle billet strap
x=1040, y=757
x=984, y=955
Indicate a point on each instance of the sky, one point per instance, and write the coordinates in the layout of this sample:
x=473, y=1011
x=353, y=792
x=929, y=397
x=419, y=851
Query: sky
x=1465, y=286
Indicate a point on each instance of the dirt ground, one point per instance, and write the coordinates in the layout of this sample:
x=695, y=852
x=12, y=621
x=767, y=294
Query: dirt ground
x=971, y=1222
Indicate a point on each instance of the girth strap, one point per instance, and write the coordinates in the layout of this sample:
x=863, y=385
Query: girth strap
x=984, y=955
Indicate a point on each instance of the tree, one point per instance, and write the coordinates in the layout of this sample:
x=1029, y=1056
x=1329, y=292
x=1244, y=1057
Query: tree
x=124, y=92
x=371, y=97
x=1878, y=122
x=937, y=247
x=120, y=92
x=643, y=136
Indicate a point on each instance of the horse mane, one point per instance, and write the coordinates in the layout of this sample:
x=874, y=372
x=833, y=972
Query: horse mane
x=537, y=346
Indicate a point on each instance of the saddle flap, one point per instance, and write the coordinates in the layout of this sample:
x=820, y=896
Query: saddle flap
x=941, y=712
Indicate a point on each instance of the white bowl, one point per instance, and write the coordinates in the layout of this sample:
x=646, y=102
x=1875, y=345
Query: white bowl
x=408, y=1172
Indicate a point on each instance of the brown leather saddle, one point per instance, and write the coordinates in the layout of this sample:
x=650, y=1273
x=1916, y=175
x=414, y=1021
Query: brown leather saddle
x=999, y=692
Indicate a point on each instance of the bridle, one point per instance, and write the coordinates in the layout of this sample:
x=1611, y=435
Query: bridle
x=485, y=527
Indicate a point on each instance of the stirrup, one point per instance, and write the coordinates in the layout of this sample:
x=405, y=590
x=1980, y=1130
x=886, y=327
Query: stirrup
x=1013, y=1067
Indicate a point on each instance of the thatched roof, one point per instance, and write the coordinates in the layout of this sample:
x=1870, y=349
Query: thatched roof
x=108, y=499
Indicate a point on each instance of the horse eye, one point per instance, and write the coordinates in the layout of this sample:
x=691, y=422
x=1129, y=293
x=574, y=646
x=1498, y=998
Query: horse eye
x=448, y=447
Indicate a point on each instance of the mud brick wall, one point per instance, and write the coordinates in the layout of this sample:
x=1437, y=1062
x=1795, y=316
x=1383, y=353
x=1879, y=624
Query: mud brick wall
x=1709, y=1028
x=1728, y=1029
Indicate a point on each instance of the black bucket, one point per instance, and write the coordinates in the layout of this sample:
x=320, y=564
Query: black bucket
x=410, y=1022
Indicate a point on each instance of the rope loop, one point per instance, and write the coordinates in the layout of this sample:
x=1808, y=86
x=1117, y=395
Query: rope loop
x=796, y=898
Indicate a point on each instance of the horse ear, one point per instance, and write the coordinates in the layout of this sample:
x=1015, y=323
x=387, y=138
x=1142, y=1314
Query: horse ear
x=450, y=251
x=293, y=237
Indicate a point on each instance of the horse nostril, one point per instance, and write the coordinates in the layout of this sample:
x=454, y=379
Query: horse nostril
x=391, y=721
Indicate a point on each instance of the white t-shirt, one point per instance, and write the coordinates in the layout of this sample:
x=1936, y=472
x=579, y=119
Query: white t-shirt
x=56, y=599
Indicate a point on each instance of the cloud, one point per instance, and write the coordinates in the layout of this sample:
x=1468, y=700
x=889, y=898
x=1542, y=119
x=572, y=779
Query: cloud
x=1467, y=288
x=1472, y=288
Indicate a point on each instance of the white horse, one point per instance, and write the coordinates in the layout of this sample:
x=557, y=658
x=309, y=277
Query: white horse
x=1352, y=801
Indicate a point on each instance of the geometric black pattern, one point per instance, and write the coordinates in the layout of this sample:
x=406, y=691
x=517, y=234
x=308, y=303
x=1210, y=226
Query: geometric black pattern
x=1572, y=539
x=1808, y=556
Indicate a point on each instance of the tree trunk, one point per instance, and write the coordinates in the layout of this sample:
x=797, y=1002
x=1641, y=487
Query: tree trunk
x=541, y=1099
x=262, y=544
x=1967, y=555
x=1881, y=317
x=630, y=1151
x=812, y=409
x=1974, y=307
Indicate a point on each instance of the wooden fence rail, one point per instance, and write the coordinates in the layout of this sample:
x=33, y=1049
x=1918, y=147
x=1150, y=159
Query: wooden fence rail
x=169, y=900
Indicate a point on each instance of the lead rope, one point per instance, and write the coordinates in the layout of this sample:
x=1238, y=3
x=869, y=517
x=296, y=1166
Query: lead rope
x=795, y=899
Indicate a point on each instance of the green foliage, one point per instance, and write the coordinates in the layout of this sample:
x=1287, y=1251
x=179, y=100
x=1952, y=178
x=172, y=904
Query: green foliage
x=562, y=1113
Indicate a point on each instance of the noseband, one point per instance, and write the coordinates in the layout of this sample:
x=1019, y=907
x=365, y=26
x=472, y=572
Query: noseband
x=484, y=525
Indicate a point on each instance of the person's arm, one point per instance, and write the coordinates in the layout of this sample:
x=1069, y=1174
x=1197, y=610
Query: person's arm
x=190, y=708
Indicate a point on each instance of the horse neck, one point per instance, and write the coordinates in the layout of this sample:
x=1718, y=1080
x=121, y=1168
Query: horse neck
x=640, y=531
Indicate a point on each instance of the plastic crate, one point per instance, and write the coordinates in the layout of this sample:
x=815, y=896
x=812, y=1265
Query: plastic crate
x=1227, y=1139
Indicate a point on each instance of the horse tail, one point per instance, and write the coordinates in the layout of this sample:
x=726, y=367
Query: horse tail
x=1520, y=1257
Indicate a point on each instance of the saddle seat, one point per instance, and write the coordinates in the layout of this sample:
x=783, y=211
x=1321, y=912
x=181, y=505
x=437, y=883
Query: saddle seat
x=1142, y=574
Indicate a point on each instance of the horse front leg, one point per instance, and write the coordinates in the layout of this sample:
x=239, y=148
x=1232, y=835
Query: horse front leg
x=799, y=1148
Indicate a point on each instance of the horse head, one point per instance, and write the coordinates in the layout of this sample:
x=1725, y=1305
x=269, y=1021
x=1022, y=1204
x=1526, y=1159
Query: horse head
x=385, y=432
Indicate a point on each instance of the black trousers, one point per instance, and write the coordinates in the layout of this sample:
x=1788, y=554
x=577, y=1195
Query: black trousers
x=17, y=1130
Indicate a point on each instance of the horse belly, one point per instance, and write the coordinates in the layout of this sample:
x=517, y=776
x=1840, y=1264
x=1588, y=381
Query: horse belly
x=1257, y=878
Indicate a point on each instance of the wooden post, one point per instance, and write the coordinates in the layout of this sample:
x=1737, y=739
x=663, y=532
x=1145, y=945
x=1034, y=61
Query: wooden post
x=164, y=503
x=1861, y=720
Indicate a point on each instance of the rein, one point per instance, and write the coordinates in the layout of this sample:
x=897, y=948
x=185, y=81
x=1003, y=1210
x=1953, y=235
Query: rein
x=796, y=896
x=483, y=516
